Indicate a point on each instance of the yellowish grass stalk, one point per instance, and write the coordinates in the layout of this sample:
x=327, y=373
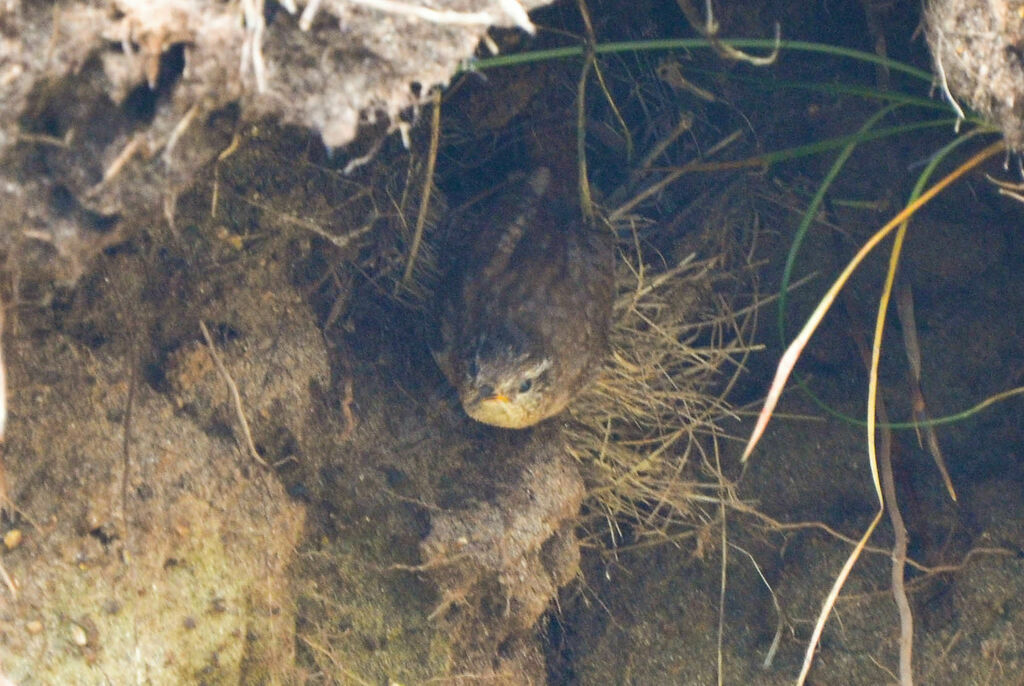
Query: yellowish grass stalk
x=793, y=352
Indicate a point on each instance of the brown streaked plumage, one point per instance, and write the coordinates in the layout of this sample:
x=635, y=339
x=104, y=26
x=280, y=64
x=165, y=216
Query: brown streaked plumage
x=524, y=317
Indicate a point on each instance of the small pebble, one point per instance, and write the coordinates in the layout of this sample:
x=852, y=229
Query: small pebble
x=12, y=539
x=78, y=636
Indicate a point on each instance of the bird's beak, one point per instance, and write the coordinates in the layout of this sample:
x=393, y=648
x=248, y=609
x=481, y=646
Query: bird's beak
x=496, y=398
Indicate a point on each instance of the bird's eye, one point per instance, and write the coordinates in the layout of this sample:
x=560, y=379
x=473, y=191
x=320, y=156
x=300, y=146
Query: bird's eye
x=526, y=386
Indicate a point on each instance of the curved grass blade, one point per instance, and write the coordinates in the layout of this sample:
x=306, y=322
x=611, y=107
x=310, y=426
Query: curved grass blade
x=795, y=348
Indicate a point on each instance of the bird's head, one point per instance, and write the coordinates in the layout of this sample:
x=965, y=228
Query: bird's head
x=508, y=385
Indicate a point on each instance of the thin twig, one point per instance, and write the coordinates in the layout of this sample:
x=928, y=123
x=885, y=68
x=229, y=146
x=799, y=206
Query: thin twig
x=884, y=468
x=179, y=129
x=126, y=437
x=588, y=26
x=517, y=13
x=339, y=241
x=252, y=49
x=781, y=623
x=690, y=167
x=236, y=396
x=224, y=154
x=429, y=14
x=5, y=500
x=684, y=124
x=428, y=187
x=830, y=599
x=725, y=563
x=908, y=325
x=874, y=403
x=899, y=552
x=308, y=15
x=8, y=581
x=899, y=548
x=586, y=204
x=341, y=670
x=926, y=571
x=709, y=29
x=960, y=116
x=115, y=167
x=3, y=377
x=43, y=139
x=348, y=395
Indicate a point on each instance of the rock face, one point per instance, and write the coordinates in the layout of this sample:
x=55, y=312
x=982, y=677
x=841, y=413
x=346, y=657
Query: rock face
x=976, y=46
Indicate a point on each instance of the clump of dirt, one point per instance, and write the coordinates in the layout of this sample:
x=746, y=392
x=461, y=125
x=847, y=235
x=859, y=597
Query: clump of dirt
x=977, y=47
x=108, y=110
x=538, y=497
x=437, y=541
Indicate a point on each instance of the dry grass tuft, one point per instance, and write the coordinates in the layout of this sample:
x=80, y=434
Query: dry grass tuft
x=644, y=431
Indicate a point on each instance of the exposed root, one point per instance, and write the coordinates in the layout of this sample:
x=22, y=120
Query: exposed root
x=430, y=14
x=235, y=396
x=708, y=28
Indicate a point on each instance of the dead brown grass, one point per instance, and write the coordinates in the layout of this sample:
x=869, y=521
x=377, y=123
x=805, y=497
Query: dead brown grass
x=645, y=430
